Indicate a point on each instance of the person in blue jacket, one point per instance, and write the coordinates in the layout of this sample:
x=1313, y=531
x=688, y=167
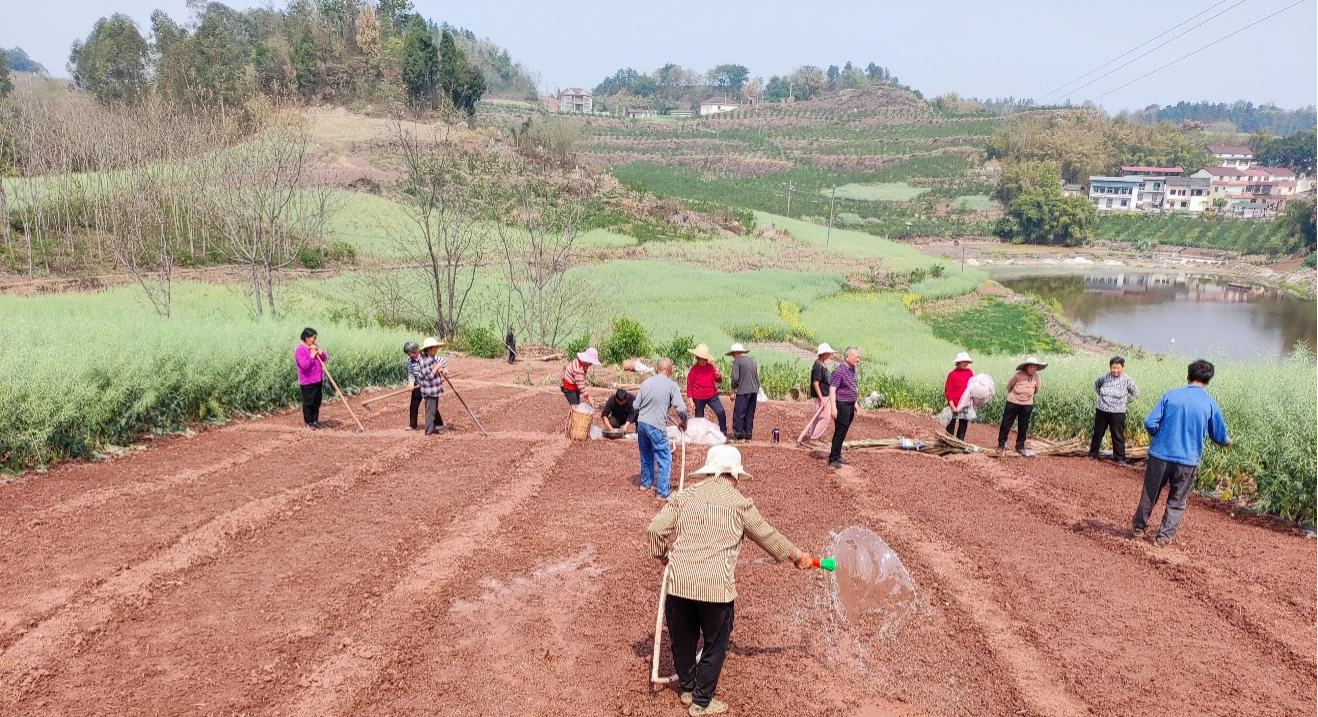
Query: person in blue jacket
x=1178, y=424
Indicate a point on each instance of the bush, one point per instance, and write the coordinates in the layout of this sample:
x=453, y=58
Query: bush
x=1311, y=260
x=577, y=345
x=679, y=350
x=480, y=341
x=629, y=339
x=310, y=258
x=342, y=252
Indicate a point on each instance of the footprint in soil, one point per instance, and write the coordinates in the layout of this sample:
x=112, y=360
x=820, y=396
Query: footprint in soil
x=1101, y=527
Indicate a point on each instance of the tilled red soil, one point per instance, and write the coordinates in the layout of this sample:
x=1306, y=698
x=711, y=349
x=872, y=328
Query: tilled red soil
x=261, y=569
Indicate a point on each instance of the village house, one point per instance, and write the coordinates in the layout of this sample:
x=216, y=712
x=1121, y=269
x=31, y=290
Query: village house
x=1252, y=192
x=1072, y=190
x=1187, y=194
x=1114, y=194
x=575, y=100
x=717, y=104
x=635, y=112
x=1231, y=155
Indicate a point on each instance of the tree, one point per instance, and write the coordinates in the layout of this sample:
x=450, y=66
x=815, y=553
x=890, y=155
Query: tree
x=833, y=72
x=419, y=66
x=395, y=16
x=306, y=70
x=112, y=62
x=1295, y=152
x=268, y=69
x=1300, y=221
x=368, y=39
x=6, y=83
x=807, y=82
x=729, y=77
x=1038, y=212
x=874, y=72
x=463, y=83
x=777, y=89
x=20, y=62
x=218, y=66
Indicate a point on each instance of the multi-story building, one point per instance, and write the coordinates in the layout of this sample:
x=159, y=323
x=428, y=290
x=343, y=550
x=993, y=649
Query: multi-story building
x=1231, y=155
x=576, y=100
x=1186, y=194
x=1114, y=194
x=1252, y=191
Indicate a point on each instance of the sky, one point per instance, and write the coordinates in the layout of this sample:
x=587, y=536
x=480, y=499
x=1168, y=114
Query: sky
x=1018, y=48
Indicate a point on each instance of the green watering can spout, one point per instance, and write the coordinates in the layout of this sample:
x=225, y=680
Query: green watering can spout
x=828, y=564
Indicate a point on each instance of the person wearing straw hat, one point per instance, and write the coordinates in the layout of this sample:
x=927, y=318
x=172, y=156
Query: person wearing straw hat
x=1021, y=390
x=746, y=389
x=819, y=391
x=698, y=534
x=574, y=376
x=954, y=389
x=431, y=368
x=657, y=395
x=413, y=365
x=702, y=386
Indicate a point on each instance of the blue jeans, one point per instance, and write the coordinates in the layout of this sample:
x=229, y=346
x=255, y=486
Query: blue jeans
x=653, y=442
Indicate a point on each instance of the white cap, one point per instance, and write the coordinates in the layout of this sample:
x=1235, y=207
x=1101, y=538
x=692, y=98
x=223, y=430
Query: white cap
x=720, y=460
x=737, y=348
x=431, y=342
x=824, y=348
x=963, y=357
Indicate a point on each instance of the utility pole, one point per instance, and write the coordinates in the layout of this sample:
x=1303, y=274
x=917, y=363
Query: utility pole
x=790, y=188
x=833, y=198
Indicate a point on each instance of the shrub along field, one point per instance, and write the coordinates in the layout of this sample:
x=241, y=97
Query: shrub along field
x=1243, y=235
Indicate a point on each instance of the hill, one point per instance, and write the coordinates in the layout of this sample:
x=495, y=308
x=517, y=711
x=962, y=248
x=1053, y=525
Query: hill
x=20, y=62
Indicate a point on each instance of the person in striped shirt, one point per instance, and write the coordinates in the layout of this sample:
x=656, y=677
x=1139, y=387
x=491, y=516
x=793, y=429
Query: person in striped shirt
x=698, y=535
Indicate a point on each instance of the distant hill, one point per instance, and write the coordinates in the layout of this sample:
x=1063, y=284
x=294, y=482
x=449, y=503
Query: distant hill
x=20, y=62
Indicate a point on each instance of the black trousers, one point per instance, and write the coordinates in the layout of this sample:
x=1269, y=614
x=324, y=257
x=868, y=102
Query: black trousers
x=1104, y=420
x=1159, y=473
x=1020, y=415
x=716, y=406
x=433, y=419
x=846, y=413
x=573, y=397
x=957, y=427
x=688, y=620
x=512, y=353
x=413, y=408
x=743, y=415
x=311, y=394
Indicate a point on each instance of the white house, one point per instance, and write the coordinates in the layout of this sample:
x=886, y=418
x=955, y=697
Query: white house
x=1251, y=191
x=1187, y=194
x=1231, y=155
x=1114, y=194
x=717, y=104
x=575, y=100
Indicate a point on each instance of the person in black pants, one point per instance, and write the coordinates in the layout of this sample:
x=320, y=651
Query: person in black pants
x=511, y=342
x=843, y=383
x=1115, y=389
x=413, y=366
x=1021, y=391
x=688, y=620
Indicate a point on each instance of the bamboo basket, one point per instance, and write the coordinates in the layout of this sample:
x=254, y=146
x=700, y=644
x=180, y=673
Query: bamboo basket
x=578, y=427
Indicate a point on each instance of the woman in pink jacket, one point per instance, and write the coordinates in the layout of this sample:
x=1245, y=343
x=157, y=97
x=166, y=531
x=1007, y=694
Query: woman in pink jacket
x=310, y=374
x=702, y=386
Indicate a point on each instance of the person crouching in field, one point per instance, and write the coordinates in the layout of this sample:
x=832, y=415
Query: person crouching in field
x=1178, y=423
x=698, y=535
x=1021, y=390
x=1114, y=388
x=413, y=364
x=958, y=379
x=310, y=374
x=702, y=386
x=431, y=368
x=574, y=376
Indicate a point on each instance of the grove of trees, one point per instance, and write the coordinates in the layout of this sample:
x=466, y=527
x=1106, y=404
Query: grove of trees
x=1245, y=116
x=1037, y=210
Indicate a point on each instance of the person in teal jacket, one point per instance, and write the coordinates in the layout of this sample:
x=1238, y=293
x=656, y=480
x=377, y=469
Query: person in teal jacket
x=1178, y=424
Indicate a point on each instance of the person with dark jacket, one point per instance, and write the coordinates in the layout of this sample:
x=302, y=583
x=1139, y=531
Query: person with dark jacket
x=845, y=391
x=618, y=411
x=1114, y=388
x=510, y=340
x=746, y=386
x=819, y=391
x=413, y=365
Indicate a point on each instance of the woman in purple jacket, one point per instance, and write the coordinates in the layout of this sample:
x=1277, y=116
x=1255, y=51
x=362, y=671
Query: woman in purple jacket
x=310, y=373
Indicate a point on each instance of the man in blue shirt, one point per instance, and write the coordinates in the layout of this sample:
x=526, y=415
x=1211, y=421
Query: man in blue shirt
x=1178, y=424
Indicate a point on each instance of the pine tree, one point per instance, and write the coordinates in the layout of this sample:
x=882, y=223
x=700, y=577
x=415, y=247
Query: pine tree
x=304, y=63
x=420, y=64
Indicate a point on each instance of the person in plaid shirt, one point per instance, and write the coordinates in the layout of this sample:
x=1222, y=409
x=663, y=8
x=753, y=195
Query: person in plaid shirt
x=427, y=374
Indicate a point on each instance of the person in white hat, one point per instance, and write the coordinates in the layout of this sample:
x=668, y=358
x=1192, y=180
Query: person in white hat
x=823, y=416
x=746, y=389
x=429, y=373
x=698, y=535
x=954, y=390
x=574, y=376
x=1021, y=390
x=702, y=382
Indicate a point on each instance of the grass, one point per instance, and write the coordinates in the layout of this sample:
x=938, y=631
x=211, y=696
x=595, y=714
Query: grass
x=1248, y=236
x=976, y=203
x=994, y=326
x=878, y=192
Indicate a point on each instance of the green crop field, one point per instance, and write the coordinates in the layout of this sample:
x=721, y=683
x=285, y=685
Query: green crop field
x=1244, y=235
x=880, y=192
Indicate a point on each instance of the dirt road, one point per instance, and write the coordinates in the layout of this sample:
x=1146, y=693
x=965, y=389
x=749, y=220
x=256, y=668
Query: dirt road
x=261, y=569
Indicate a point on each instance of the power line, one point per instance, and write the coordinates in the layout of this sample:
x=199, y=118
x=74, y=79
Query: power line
x=1049, y=93
x=1201, y=49
x=1157, y=47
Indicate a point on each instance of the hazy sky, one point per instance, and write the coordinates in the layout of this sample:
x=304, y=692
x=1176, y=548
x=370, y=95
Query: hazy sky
x=1021, y=48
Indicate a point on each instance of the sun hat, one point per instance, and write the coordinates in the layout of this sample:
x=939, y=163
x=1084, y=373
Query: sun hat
x=737, y=348
x=430, y=343
x=590, y=356
x=410, y=347
x=722, y=459
x=824, y=348
x=963, y=357
x=701, y=351
x=1031, y=360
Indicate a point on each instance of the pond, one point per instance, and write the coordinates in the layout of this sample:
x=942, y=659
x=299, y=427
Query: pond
x=1178, y=312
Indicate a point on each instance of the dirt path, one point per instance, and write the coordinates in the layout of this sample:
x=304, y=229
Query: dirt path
x=261, y=569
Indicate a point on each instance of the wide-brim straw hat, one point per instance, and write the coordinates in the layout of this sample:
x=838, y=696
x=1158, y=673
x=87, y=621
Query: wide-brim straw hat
x=590, y=356
x=430, y=343
x=963, y=357
x=1031, y=360
x=722, y=460
x=824, y=348
x=736, y=349
x=701, y=351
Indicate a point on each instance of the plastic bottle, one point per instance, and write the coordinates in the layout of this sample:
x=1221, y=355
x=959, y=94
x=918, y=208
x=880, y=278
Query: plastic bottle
x=776, y=435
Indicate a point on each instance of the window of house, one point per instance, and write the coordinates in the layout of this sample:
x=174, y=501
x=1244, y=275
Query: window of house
x=1184, y=205
x=1109, y=203
x=1125, y=202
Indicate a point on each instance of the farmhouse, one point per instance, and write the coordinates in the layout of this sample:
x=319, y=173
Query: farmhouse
x=635, y=112
x=1231, y=155
x=1252, y=191
x=575, y=100
x=1187, y=194
x=717, y=104
x=1114, y=193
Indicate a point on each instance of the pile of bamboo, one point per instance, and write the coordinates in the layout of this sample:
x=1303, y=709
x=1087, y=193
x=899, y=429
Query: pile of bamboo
x=946, y=444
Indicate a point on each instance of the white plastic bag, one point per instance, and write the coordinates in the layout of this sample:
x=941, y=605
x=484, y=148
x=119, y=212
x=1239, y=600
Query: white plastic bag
x=596, y=433
x=704, y=432
x=978, y=391
x=945, y=417
x=585, y=408
x=762, y=397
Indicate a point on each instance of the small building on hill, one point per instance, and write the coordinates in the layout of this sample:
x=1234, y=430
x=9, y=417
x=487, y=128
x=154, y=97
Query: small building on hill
x=576, y=101
x=1187, y=194
x=635, y=112
x=1114, y=194
x=1231, y=155
x=717, y=104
